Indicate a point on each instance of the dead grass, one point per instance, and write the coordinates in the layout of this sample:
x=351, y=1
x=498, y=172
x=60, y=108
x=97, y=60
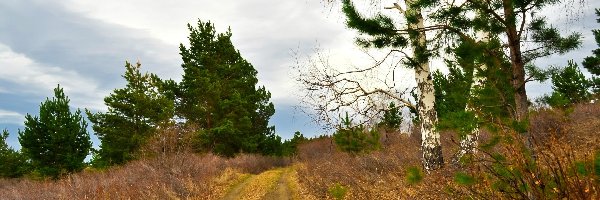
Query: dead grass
x=382, y=174
x=561, y=138
x=379, y=175
x=181, y=176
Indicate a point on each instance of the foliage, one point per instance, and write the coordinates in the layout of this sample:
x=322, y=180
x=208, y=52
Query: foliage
x=570, y=87
x=392, y=117
x=219, y=94
x=509, y=169
x=464, y=178
x=338, y=191
x=592, y=63
x=451, y=91
x=290, y=147
x=14, y=164
x=134, y=113
x=355, y=139
x=414, y=175
x=56, y=141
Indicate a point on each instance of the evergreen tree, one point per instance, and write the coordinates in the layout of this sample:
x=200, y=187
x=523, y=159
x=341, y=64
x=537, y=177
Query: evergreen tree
x=392, y=118
x=56, y=141
x=528, y=37
x=12, y=163
x=219, y=94
x=134, y=114
x=451, y=91
x=592, y=63
x=570, y=86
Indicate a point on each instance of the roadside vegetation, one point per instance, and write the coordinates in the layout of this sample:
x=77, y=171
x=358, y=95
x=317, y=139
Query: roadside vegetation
x=470, y=133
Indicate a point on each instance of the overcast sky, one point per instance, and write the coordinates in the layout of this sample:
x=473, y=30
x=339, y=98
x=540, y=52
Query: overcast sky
x=83, y=45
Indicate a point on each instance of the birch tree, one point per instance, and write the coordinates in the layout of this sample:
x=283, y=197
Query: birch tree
x=382, y=33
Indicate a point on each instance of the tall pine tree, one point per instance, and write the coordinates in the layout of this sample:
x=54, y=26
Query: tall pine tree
x=219, y=94
x=134, y=114
x=56, y=141
x=592, y=63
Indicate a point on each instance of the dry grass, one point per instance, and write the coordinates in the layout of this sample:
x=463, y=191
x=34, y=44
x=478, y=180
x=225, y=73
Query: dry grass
x=382, y=175
x=561, y=139
x=379, y=175
x=166, y=177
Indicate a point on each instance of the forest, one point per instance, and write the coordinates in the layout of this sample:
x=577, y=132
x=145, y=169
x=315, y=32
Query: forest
x=469, y=132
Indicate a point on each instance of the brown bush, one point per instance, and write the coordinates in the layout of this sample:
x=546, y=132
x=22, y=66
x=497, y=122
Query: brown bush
x=561, y=140
x=162, y=177
x=379, y=175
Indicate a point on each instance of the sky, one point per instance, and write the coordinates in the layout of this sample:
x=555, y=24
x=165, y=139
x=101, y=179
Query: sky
x=83, y=45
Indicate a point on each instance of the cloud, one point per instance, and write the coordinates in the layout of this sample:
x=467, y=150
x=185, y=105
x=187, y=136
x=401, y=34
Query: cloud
x=265, y=31
x=31, y=78
x=51, y=45
x=11, y=117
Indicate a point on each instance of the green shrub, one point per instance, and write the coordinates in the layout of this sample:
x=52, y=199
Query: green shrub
x=414, y=175
x=338, y=191
x=392, y=118
x=354, y=139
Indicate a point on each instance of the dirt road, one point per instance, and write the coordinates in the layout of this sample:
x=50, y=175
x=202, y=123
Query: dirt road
x=272, y=184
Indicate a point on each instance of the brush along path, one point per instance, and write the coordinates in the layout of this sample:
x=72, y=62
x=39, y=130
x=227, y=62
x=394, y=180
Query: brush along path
x=273, y=184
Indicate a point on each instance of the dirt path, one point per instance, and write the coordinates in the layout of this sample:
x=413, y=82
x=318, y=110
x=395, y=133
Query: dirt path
x=236, y=192
x=272, y=184
x=282, y=190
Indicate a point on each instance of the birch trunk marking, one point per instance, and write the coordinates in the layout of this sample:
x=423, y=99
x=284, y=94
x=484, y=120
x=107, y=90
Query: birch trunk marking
x=430, y=137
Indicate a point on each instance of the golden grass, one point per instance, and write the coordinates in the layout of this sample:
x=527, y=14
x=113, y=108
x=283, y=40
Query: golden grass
x=317, y=167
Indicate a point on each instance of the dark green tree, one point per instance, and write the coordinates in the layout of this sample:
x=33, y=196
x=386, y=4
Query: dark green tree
x=570, y=86
x=134, y=114
x=451, y=91
x=218, y=93
x=12, y=163
x=392, y=117
x=56, y=141
x=290, y=147
x=528, y=37
x=592, y=63
x=355, y=139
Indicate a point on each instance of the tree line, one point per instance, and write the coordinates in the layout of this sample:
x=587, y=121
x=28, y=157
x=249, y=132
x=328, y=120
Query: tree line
x=217, y=108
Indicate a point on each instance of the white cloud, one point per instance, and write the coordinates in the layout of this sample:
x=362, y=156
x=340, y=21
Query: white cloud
x=11, y=117
x=265, y=31
x=27, y=76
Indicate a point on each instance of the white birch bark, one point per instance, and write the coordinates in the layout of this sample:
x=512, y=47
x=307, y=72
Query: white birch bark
x=430, y=137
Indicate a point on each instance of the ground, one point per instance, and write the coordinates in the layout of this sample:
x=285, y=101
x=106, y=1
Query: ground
x=272, y=184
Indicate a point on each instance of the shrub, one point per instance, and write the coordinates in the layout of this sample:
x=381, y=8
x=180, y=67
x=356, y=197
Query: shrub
x=414, y=175
x=355, y=139
x=392, y=118
x=338, y=191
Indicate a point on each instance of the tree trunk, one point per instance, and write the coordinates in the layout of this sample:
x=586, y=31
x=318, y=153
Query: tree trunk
x=518, y=65
x=430, y=143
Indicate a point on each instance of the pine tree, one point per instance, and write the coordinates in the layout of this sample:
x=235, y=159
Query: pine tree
x=56, y=141
x=134, y=114
x=570, y=86
x=382, y=33
x=218, y=93
x=592, y=63
x=520, y=23
x=13, y=163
